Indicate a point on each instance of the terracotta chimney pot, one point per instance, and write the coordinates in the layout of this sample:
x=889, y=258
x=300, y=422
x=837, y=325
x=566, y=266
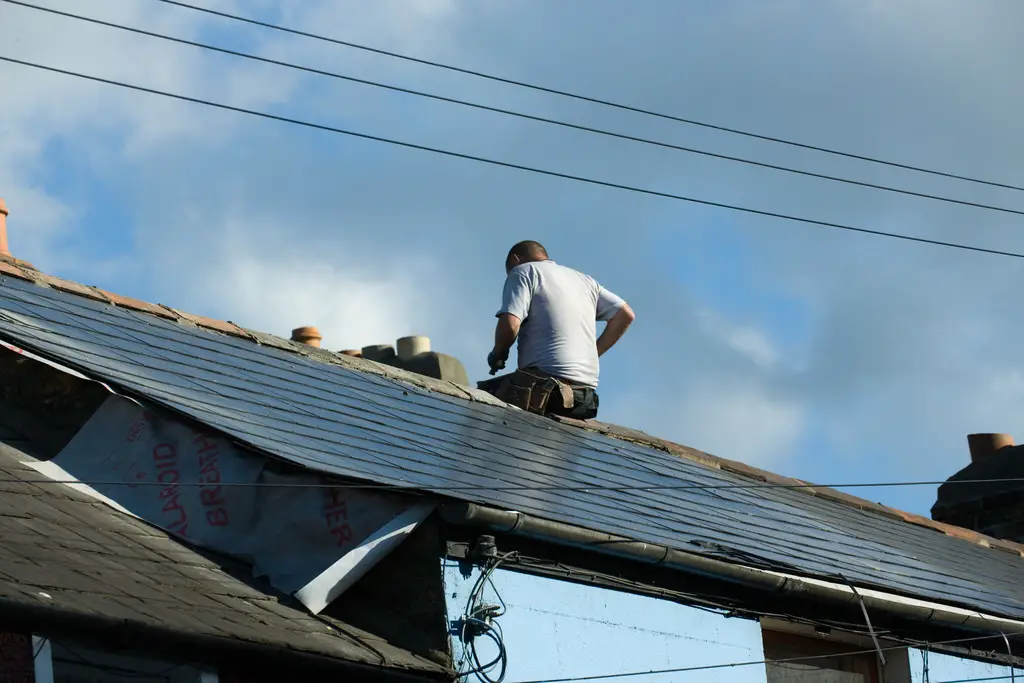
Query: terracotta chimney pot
x=307, y=335
x=4, y=251
x=355, y=353
x=985, y=445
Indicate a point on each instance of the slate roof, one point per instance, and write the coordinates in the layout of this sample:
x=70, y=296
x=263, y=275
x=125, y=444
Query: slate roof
x=361, y=420
x=64, y=555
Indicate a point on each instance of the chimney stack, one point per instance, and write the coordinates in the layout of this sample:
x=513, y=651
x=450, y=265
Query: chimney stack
x=984, y=445
x=987, y=495
x=307, y=335
x=414, y=355
x=4, y=251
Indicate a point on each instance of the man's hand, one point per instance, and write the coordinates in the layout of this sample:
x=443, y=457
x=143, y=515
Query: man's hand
x=505, y=333
x=496, y=361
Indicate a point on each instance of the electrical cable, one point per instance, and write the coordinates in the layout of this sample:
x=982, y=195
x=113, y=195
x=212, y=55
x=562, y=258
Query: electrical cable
x=584, y=98
x=414, y=488
x=483, y=620
x=509, y=112
x=850, y=628
x=762, y=662
x=1009, y=652
x=511, y=165
x=867, y=618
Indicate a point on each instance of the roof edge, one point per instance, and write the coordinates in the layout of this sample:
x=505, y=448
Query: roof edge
x=25, y=271
x=54, y=621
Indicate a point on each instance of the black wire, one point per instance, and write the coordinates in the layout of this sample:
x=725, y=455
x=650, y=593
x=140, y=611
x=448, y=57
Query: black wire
x=507, y=164
x=851, y=628
x=585, y=98
x=418, y=488
x=481, y=671
x=509, y=112
x=759, y=662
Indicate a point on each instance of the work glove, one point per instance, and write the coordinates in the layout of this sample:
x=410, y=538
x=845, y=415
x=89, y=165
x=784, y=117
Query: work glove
x=496, y=362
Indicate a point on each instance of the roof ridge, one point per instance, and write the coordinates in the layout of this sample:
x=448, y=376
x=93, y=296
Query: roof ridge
x=25, y=271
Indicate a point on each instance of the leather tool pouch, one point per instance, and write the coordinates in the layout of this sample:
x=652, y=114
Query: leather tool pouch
x=534, y=392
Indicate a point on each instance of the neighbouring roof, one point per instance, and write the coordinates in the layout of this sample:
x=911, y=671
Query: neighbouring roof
x=358, y=419
x=66, y=556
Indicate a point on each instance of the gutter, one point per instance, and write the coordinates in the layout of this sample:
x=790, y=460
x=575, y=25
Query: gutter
x=508, y=522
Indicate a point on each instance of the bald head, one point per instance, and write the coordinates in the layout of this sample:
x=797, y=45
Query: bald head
x=526, y=251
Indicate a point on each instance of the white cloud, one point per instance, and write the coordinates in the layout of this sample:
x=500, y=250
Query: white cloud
x=746, y=340
x=742, y=423
x=353, y=305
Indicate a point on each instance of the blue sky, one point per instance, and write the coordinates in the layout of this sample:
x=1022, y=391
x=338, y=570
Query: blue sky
x=825, y=355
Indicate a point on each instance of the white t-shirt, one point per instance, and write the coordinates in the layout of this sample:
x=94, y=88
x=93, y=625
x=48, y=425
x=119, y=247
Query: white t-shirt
x=559, y=308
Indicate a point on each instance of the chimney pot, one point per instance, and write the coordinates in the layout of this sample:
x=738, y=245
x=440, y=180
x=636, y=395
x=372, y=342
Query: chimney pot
x=307, y=335
x=410, y=347
x=985, y=445
x=4, y=251
x=355, y=353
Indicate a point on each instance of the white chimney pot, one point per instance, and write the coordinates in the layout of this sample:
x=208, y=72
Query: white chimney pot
x=409, y=347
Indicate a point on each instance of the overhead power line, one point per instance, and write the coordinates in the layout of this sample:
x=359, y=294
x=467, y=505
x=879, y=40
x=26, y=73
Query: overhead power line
x=513, y=487
x=762, y=662
x=509, y=112
x=507, y=164
x=585, y=98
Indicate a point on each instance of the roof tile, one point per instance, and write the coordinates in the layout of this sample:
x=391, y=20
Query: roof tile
x=138, y=305
x=14, y=271
x=124, y=585
x=72, y=287
x=211, y=323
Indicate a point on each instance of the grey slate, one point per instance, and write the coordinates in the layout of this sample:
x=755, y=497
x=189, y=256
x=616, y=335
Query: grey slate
x=94, y=576
x=332, y=418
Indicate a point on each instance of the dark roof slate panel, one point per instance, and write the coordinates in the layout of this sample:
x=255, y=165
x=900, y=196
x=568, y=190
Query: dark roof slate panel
x=63, y=551
x=333, y=418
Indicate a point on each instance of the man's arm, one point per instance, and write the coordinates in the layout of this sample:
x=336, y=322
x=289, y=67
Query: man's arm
x=615, y=328
x=515, y=306
x=505, y=333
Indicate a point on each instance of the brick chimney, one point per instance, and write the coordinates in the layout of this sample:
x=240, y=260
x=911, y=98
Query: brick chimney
x=994, y=508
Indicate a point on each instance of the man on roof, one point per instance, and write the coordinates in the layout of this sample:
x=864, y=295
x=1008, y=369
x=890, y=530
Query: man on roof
x=553, y=311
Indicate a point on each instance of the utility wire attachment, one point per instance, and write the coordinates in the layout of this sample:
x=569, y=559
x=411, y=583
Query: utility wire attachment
x=479, y=619
x=867, y=618
x=1009, y=651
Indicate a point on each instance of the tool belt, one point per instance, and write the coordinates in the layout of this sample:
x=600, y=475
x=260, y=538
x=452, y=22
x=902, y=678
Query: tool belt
x=539, y=392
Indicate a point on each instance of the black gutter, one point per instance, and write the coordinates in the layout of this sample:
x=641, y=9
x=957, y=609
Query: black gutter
x=510, y=523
